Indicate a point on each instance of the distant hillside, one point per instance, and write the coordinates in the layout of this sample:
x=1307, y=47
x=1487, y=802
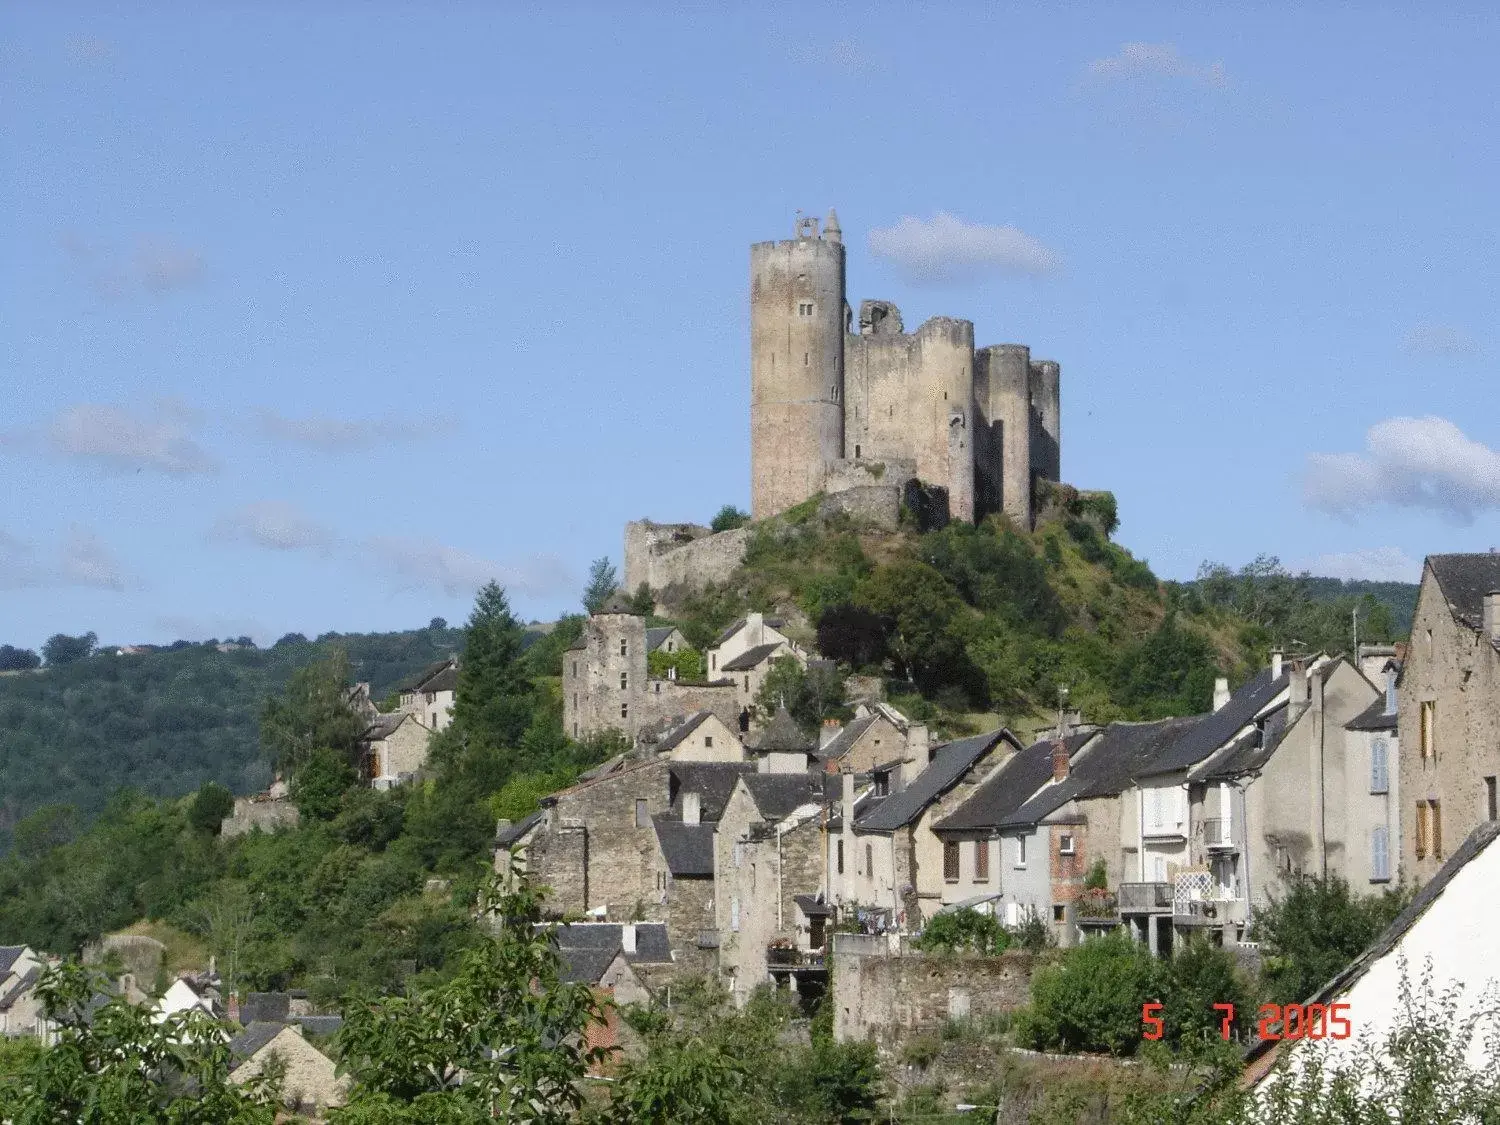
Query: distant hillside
x=1398, y=597
x=166, y=721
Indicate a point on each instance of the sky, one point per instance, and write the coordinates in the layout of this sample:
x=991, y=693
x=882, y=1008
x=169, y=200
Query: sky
x=317, y=316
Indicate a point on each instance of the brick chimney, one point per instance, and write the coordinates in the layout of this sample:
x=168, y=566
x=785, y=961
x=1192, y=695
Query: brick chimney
x=232, y=1009
x=1221, y=693
x=1059, y=760
x=1297, y=698
x=1492, y=615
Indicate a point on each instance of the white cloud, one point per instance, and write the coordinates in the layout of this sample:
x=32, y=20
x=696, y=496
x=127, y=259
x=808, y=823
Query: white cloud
x=156, y=266
x=1376, y=564
x=946, y=248
x=160, y=441
x=1423, y=463
x=424, y=562
x=1445, y=341
x=334, y=434
x=276, y=525
x=82, y=559
x=1144, y=62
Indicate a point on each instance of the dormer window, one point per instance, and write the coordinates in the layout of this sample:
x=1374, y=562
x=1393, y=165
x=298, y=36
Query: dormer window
x=883, y=784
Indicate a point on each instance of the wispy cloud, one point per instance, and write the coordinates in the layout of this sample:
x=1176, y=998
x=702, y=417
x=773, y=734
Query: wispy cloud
x=276, y=525
x=844, y=55
x=1156, y=62
x=1375, y=564
x=154, y=266
x=1422, y=463
x=339, y=434
x=89, y=49
x=160, y=439
x=81, y=559
x=947, y=249
x=1443, y=341
x=410, y=562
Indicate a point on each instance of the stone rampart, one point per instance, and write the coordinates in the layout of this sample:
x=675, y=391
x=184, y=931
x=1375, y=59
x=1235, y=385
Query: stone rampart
x=682, y=556
x=266, y=813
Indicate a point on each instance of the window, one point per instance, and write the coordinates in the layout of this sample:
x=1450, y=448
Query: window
x=1379, y=766
x=575, y=669
x=642, y=817
x=1491, y=812
x=624, y=647
x=1380, y=857
x=804, y=359
x=856, y=452
x=1423, y=830
x=869, y=861
x=1429, y=722
x=624, y=680
x=624, y=710
x=804, y=308
x=841, y=857
x=747, y=683
x=708, y=741
x=713, y=661
x=1059, y=912
x=882, y=784
x=575, y=701
x=950, y=861
x=1065, y=844
x=981, y=861
x=1020, y=851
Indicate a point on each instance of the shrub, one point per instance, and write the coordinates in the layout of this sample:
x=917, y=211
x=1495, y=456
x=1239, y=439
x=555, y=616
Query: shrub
x=1092, y=1000
x=729, y=518
x=964, y=930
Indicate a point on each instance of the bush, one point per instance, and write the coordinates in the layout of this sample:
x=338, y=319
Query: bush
x=211, y=804
x=729, y=518
x=1092, y=1000
x=964, y=930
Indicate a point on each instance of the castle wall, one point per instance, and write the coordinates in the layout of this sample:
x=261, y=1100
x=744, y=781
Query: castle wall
x=1007, y=385
x=680, y=555
x=796, y=367
x=1046, y=436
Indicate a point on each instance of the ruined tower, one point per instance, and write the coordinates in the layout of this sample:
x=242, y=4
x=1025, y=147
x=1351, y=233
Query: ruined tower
x=797, y=321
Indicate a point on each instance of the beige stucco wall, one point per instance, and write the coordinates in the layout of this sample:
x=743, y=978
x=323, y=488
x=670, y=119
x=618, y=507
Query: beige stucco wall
x=310, y=1082
x=711, y=741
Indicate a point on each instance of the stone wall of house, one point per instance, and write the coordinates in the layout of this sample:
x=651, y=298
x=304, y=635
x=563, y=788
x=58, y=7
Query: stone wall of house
x=267, y=814
x=310, y=1082
x=682, y=557
x=690, y=913
x=594, y=850
x=888, y=996
x=405, y=751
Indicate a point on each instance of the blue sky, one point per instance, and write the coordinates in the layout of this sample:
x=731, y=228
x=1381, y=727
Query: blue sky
x=317, y=315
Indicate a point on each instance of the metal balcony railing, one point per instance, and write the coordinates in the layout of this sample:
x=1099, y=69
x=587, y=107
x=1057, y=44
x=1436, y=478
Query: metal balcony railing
x=1145, y=898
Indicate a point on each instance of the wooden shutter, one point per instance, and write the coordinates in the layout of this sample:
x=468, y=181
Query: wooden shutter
x=1437, y=830
x=1421, y=840
x=981, y=861
x=950, y=861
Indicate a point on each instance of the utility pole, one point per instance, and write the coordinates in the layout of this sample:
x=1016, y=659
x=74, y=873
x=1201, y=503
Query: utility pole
x=1355, y=614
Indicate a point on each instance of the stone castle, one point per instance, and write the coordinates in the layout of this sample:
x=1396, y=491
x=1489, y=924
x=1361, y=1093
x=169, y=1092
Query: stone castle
x=830, y=398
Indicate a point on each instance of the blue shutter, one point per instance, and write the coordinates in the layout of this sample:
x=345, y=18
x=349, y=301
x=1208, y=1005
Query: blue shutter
x=1379, y=766
x=1380, y=860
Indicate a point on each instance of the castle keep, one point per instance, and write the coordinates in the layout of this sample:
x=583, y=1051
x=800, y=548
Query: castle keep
x=829, y=397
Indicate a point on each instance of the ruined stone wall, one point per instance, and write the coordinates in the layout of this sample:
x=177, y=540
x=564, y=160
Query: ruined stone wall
x=251, y=813
x=681, y=557
x=888, y=997
x=594, y=850
x=690, y=912
x=1046, y=436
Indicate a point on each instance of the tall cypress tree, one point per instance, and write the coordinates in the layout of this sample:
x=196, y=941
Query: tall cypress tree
x=494, y=702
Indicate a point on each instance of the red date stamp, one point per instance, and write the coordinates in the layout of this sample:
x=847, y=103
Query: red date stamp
x=1277, y=1021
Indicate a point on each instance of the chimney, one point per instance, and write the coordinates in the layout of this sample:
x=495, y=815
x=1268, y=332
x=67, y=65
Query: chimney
x=1297, y=679
x=1059, y=760
x=754, y=629
x=692, y=808
x=847, y=779
x=627, y=937
x=1221, y=693
x=1390, y=688
x=1315, y=688
x=1492, y=615
x=232, y=1009
x=918, y=752
x=1276, y=664
x=831, y=728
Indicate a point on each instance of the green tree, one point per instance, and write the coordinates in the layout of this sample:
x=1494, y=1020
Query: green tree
x=318, y=786
x=494, y=699
x=312, y=714
x=926, y=622
x=14, y=659
x=211, y=804
x=1092, y=1000
x=966, y=929
x=49, y=827
x=1200, y=976
x=116, y=1063
x=1313, y=929
x=503, y=1038
x=728, y=518
x=811, y=694
x=61, y=649
x=603, y=580
x=1170, y=672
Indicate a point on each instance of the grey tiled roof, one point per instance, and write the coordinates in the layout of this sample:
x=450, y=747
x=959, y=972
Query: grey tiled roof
x=384, y=726
x=1464, y=581
x=651, y=944
x=265, y=1007
x=419, y=682
x=782, y=733
x=253, y=1038
x=586, y=965
x=1247, y=753
x=713, y=781
x=8, y=956
x=810, y=906
x=773, y=622
x=513, y=831
x=688, y=848
x=655, y=638
x=750, y=658
x=997, y=799
x=319, y=1025
x=842, y=742
x=1209, y=732
x=949, y=763
x=778, y=795
x=1373, y=717
x=674, y=737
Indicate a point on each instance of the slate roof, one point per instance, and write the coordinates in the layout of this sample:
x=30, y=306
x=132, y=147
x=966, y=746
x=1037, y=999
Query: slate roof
x=253, y=1038
x=714, y=781
x=949, y=763
x=676, y=735
x=655, y=638
x=651, y=944
x=1373, y=717
x=265, y=1007
x=384, y=726
x=446, y=680
x=688, y=848
x=22, y=987
x=778, y=795
x=1464, y=581
x=586, y=965
x=604, y=768
x=773, y=622
x=1209, y=732
x=580, y=644
x=842, y=742
x=1477, y=841
x=420, y=682
x=783, y=733
x=8, y=956
x=750, y=658
x=319, y=1025
x=513, y=831
x=810, y=906
x=998, y=798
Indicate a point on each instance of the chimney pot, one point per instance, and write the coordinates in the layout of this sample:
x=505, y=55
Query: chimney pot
x=627, y=937
x=1221, y=693
x=1276, y=665
x=1059, y=760
x=692, y=808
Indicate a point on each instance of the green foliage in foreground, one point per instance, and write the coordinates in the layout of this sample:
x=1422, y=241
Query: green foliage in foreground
x=968, y=930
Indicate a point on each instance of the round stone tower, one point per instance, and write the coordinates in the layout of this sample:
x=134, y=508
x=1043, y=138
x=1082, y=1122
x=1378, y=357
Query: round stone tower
x=796, y=364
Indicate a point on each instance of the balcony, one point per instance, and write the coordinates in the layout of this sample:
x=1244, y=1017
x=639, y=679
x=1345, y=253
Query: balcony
x=1096, y=907
x=1145, y=898
x=1218, y=833
x=782, y=957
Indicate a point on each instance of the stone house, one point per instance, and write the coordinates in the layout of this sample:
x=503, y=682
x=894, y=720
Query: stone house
x=685, y=878
x=394, y=749
x=431, y=694
x=268, y=811
x=20, y=1009
x=782, y=747
x=744, y=652
x=886, y=863
x=311, y=1084
x=768, y=849
x=877, y=738
x=1449, y=712
x=701, y=737
x=667, y=639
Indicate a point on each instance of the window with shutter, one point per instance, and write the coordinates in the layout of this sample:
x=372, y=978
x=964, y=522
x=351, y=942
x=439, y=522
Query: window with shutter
x=1379, y=778
x=950, y=861
x=1380, y=859
x=981, y=861
x=1421, y=830
x=1437, y=830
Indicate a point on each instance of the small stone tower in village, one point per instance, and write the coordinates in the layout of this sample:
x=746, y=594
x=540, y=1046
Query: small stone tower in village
x=829, y=397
